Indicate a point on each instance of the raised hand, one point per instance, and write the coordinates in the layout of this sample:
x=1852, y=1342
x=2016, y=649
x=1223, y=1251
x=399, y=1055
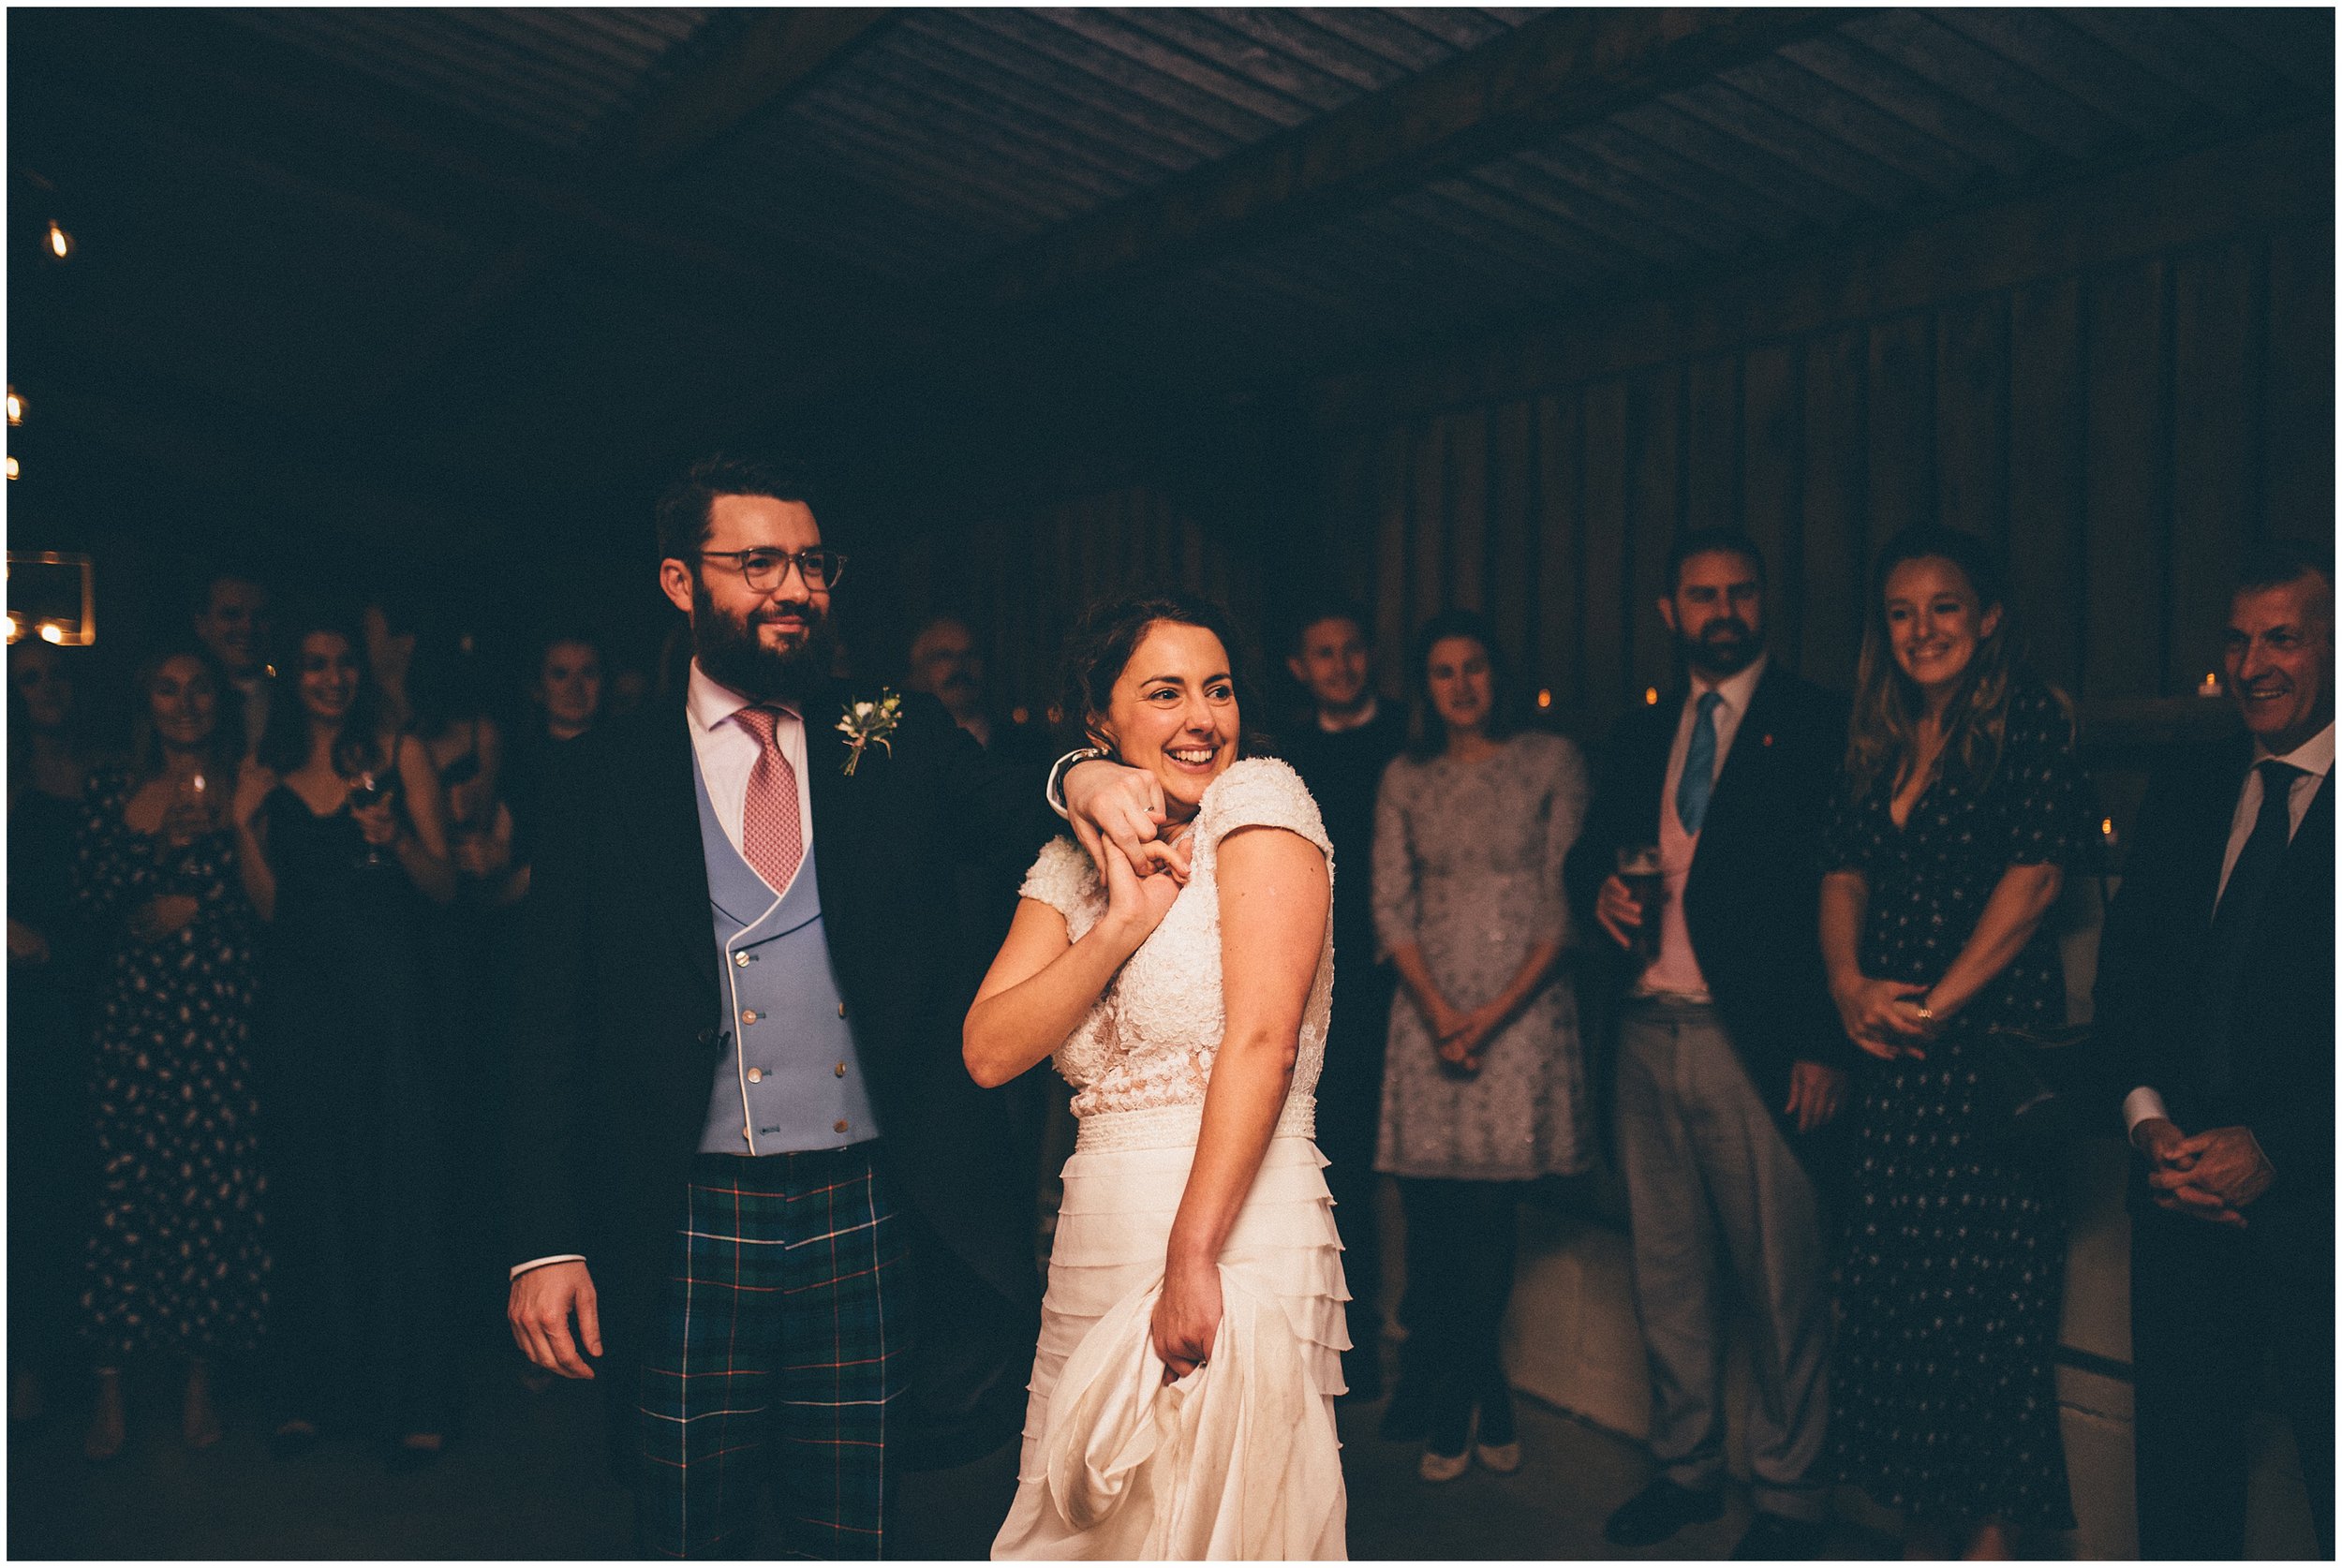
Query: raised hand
x=1123, y=807
x=1617, y=911
x=1135, y=904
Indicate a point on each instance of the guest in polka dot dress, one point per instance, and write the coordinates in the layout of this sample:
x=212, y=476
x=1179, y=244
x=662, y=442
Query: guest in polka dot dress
x=1962, y=810
x=175, y=1265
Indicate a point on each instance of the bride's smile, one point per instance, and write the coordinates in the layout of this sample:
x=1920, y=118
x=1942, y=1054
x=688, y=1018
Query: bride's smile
x=1173, y=713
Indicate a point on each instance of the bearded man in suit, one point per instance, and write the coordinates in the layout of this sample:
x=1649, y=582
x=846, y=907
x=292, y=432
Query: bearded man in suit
x=748, y=1166
x=2215, y=982
x=1729, y=1060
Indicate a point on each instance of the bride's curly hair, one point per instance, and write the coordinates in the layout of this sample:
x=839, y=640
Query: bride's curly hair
x=1109, y=631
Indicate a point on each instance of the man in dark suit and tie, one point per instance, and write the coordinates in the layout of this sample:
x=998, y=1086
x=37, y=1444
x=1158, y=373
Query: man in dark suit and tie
x=1729, y=1056
x=2216, y=982
x=747, y=1163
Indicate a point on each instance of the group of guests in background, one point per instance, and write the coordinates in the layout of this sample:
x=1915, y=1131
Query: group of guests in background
x=255, y=1010
x=1783, y=964
x=1813, y=948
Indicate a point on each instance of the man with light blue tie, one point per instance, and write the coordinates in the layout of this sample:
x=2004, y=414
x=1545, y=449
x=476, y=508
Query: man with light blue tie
x=1726, y=1066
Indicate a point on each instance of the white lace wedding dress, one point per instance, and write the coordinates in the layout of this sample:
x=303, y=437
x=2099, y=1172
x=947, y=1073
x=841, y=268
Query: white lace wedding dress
x=1239, y=1458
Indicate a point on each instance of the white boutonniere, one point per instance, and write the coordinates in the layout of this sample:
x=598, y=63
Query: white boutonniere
x=865, y=722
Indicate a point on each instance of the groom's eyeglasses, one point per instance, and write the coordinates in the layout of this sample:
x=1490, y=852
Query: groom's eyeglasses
x=765, y=570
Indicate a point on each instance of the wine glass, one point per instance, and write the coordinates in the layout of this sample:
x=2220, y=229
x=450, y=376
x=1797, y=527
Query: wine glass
x=367, y=788
x=189, y=820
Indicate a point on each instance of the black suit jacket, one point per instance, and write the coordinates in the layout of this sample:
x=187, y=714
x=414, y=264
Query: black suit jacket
x=1753, y=900
x=618, y=1036
x=2148, y=993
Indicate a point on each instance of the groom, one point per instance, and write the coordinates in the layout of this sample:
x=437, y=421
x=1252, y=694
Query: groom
x=753, y=1186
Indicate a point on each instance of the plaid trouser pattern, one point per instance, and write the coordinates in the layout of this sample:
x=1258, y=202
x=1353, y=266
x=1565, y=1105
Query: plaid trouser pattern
x=782, y=1350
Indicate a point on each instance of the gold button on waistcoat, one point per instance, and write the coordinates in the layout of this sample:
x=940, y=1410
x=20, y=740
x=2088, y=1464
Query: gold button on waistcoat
x=749, y=1017
x=841, y=1070
x=756, y=1075
x=841, y=1009
x=841, y=1127
x=740, y=960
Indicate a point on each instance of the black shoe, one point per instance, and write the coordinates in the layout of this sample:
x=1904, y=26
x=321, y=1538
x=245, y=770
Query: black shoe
x=1408, y=1416
x=1658, y=1511
x=1777, y=1538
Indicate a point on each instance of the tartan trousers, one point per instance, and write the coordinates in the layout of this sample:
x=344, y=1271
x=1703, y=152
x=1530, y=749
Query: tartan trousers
x=782, y=1350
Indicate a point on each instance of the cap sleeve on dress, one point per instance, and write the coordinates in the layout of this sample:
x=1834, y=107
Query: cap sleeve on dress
x=1063, y=877
x=1259, y=792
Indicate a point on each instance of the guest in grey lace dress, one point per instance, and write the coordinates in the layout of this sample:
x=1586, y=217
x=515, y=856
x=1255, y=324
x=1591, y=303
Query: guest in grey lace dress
x=1483, y=1084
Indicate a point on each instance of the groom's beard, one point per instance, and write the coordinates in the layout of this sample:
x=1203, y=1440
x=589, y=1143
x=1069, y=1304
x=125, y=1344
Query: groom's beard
x=734, y=655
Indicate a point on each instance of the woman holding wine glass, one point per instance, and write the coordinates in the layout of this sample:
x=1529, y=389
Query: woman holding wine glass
x=342, y=843
x=175, y=1265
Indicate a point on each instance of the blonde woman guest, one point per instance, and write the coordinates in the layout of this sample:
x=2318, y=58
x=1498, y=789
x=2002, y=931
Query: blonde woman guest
x=1963, y=806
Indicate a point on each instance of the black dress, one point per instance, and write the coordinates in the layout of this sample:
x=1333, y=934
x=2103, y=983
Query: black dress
x=363, y=1287
x=1944, y=1398
x=176, y=1261
x=52, y=1158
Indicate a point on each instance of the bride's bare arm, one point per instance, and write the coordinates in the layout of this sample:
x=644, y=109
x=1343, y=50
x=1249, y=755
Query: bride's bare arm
x=1042, y=982
x=1275, y=898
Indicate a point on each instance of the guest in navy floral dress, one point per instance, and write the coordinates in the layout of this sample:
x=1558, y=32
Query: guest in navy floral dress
x=176, y=1265
x=1964, y=808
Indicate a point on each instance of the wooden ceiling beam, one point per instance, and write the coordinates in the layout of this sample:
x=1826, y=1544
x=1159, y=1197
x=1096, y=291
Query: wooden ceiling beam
x=1562, y=70
x=766, y=63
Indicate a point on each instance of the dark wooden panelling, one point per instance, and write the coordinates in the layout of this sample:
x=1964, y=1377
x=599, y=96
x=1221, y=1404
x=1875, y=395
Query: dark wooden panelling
x=2215, y=501
x=1771, y=432
x=1901, y=427
x=2126, y=496
x=1602, y=590
x=1972, y=416
x=2297, y=442
x=1654, y=462
x=1712, y=443
x=1560, y=544
x=1427, y=523
x=1390, y=554
x=1467, y=508
x=1512, y=556
x=2045, y=475
x=1836, y=546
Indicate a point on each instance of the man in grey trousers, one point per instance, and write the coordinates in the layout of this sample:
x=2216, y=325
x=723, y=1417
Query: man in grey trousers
x=1729, y=1058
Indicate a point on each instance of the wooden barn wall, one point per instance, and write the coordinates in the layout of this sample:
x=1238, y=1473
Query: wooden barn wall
x=2118, y=385
x=1021, y=576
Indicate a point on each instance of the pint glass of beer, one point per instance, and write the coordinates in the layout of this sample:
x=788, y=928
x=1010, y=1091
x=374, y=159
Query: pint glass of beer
x=1639, y=868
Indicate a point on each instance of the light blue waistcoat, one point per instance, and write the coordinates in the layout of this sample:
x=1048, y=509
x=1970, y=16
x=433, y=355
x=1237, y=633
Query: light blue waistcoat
x=790, y=1080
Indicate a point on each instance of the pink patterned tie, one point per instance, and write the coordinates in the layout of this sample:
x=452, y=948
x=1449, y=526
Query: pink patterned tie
x=771, y=833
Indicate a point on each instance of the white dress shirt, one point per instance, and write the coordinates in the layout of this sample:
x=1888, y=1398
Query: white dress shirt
x=2315, y=759
x=727, y=754
x=1676, y=971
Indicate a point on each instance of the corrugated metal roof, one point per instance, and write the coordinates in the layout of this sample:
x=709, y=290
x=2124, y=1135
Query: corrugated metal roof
x=955, y=133
x=1891, y=113
x=552, y=75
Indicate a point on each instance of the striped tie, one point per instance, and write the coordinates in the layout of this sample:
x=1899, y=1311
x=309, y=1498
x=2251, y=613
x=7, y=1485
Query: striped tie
x=771, y=833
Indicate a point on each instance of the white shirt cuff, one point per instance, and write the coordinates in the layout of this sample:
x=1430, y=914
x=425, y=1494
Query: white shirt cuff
x=2141, y=1104
x=519, y=1270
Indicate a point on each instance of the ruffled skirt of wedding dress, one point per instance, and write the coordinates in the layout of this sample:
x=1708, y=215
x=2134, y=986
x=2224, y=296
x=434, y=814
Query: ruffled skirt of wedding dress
x=1240, y=1457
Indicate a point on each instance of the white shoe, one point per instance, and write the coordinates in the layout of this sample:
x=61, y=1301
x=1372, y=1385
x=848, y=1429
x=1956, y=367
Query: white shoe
x=1502, y=1457
x=1443, y=1467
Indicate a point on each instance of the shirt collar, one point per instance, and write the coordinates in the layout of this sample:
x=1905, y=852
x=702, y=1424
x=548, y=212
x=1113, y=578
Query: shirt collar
x=2312, y=755
x=1737, y=690
x=710, y=701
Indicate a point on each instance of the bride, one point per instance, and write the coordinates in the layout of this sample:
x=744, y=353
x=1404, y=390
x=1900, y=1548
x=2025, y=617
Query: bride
x=1190, y=1340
